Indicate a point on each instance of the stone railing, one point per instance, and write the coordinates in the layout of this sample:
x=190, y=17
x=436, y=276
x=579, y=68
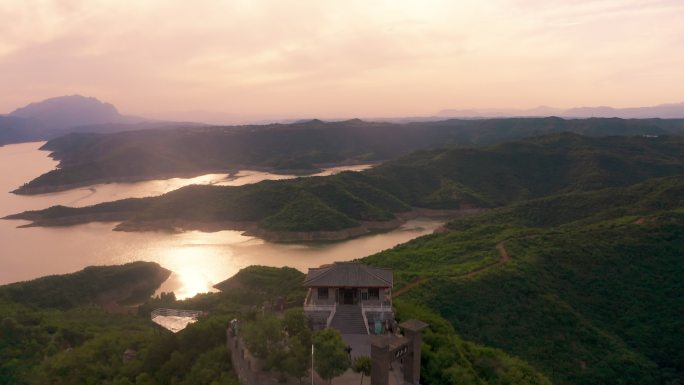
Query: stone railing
x=308, y=297
x=175, y=313
x=245, y=366
x=365, y=319
x=319, y=307
x=379, y=307
x=332, y=314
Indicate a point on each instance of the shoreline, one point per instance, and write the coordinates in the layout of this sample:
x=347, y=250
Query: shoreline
x=247, y=228
x=230, y=172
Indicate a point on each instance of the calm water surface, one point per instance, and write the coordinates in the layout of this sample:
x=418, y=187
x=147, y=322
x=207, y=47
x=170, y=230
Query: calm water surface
x=198, y=260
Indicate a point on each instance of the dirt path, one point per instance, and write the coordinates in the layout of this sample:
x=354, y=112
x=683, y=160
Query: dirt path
x=409, y=286
x=503, y=253
x=504, y=257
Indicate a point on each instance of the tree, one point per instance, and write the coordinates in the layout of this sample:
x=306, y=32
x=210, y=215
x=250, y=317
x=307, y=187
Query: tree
x=295, y=325
x=362, y=364
x=330, y=357
x=298, y=359
x=298, y=343
x=264, y=337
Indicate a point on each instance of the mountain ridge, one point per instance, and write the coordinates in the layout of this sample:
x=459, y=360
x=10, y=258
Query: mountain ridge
x=460, y=179
x=662, y=111
x=304, y=146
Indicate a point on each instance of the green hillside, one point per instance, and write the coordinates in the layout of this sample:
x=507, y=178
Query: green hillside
x=304, y=146
x=130, y=283
x=83, y=344
x=588, y=290
x=454, y=178
x=573, y=277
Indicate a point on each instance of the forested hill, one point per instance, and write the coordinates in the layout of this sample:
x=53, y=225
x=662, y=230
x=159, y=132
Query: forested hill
x=588, y=293
x=126, y=284
x=44, y=342
x=456, y=178
x=299, y=147
x=586, y=287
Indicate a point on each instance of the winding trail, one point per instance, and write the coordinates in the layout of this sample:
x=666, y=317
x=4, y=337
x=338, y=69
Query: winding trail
x=503, y=253
x=410, y=286
x=504, y=257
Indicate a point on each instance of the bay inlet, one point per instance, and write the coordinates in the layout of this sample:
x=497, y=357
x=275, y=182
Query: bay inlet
x=198, y=260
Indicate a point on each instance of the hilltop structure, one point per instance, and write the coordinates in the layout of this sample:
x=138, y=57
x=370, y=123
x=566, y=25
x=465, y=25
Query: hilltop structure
x=356, y=299
x=351, y=297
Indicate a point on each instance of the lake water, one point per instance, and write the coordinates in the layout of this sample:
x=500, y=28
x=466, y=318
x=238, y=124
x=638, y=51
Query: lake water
x=198, y=260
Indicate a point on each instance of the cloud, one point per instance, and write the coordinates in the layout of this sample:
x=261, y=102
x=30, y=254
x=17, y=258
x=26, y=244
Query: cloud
x=341, y=58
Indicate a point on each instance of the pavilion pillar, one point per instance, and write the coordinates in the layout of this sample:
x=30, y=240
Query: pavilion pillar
x=380, y=361
x=413, y=331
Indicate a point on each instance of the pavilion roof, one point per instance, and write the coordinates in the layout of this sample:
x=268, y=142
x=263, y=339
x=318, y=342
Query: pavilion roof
x=348, y=274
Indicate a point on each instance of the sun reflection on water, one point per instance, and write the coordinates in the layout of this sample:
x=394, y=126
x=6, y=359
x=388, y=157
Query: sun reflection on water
x=197, y=263
x=198, y=260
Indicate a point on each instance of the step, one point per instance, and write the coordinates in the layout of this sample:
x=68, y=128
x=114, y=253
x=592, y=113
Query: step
x=348, y=319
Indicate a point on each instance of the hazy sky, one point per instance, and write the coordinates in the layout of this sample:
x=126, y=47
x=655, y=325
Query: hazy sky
x=342, y=58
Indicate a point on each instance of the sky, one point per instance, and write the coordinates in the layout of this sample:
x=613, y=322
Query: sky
x=333, y=59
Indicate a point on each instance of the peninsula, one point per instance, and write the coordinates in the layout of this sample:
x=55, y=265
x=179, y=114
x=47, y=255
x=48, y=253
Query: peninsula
x=446, y=181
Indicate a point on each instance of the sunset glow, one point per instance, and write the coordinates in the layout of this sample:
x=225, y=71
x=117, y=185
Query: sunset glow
x=268, y=59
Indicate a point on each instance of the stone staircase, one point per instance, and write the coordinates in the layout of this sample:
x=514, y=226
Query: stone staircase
x=348, y=320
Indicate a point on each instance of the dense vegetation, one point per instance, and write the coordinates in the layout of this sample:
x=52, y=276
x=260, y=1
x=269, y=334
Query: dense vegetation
x=268, y=282
x=574, y=279
x=42, y=341
x=130, y=283
x=53, y=330
x=88, y=158
x=448, y=359
x=84, y=344
x=591, y=294
x=454, y=178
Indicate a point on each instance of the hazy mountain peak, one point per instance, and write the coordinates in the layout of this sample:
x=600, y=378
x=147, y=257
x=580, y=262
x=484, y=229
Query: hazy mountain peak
x=70, y=111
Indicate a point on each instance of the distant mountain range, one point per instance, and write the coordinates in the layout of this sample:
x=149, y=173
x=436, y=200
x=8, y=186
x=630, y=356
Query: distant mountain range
x=58, y=116
x=55, y=117
x=664, y=111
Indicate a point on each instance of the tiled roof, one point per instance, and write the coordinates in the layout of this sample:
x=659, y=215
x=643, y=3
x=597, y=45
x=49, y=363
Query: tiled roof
x=348, y=274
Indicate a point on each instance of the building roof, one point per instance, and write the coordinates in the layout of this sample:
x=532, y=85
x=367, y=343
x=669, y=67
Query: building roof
x=413, y=325
x=348, y=274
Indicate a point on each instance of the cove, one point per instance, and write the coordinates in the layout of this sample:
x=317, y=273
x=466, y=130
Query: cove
x=198, y=260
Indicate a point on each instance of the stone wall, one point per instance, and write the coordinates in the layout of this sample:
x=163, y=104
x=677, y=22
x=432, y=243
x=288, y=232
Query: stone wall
x=245, y=366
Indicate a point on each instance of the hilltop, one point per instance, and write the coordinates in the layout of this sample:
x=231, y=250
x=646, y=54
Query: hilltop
x=44, y=342
x=54, y=117
x=69, y=111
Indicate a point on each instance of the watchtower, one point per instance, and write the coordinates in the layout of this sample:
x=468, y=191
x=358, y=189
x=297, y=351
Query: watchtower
x=388, y=348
